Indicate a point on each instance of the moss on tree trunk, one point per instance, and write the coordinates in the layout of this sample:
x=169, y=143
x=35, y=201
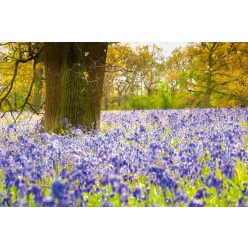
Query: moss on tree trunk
x=74, y=83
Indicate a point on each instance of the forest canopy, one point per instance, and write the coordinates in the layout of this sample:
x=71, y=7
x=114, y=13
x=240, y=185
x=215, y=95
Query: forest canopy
x=206, y=74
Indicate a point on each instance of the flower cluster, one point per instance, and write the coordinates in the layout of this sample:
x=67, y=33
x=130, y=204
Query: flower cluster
x=195, y=157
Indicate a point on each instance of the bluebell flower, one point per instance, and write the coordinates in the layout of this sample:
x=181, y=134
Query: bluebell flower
x=36, y=191
x=104, y=179
x=180, y=197
x=228, y=171
x=107, y=204
x=137, y=192
x=194, y=203
x=89, y=185
x=124, y=200
x=123, y=189
x=57, y=189
x=142, y=128
x=241, y=203
x=199, y=194
x=9, y=179
x=245, y=192
x=167, y=182
x=212, y=181
x=64, y=121
x=6, y=202
x=125, y=178
x=115, y=182
x=48, y=203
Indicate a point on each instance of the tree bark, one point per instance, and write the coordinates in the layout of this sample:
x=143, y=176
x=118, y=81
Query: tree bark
x=74, y=84
x=207, y=98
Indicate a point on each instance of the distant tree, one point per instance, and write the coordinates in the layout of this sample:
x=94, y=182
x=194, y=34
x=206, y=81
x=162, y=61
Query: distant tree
x=132, y=71
x=174, y=86
x=150, y=60
x=214, y=73
x=122, y=76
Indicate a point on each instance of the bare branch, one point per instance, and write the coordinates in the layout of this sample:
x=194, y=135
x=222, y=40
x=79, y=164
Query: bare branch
x=11, y=83
x=29, y=92
x=33, y=109
x=11, y=110
x=31, y=54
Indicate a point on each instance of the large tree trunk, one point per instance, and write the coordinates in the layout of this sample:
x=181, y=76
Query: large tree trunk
x=74, y=84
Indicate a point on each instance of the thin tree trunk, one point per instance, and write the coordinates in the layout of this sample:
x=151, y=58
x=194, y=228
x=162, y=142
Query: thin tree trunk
x=149, y=91
x=210, y=81
x=206, y=100
x=119, y=101
x=74, y=84
x=37, y=95
x=106, y=102
x=15, y=100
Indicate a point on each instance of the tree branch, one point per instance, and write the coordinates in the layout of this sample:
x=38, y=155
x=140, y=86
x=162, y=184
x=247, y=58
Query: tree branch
x=29, y=92
x=11, y=83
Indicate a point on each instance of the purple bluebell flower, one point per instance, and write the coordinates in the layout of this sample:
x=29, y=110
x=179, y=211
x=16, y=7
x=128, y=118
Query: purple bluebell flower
x=241, y=203
x=36, y=191
x=199, y=194
x=107, y=204
x=195, y=203
x=48, y=203
x=57, y=189
x=123, y=189
x=137, y=192
x=104, y=179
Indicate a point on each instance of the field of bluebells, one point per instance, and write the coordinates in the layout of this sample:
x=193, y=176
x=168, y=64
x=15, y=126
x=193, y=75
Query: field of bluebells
x=194, y=158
